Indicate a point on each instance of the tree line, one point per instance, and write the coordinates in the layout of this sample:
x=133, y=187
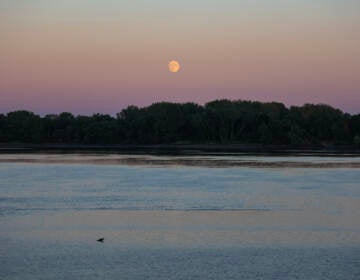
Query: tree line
x=219, y=121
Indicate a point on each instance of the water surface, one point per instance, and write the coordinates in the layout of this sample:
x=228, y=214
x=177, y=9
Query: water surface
x=163, y=218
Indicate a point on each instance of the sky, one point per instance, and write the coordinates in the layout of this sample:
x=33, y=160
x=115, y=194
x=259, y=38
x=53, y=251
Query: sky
x=99, y=56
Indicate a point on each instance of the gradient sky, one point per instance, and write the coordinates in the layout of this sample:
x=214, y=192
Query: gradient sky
x=87, y=56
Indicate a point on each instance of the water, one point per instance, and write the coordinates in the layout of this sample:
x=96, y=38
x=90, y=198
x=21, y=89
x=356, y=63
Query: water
x=173, y=217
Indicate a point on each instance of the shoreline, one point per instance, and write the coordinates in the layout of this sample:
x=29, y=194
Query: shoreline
x=187, y=149
x=191, y=160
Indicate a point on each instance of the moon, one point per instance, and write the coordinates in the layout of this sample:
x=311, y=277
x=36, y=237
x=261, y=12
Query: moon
x=174, y=66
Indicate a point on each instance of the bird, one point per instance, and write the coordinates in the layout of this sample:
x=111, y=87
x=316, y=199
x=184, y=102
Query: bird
x=101, y=240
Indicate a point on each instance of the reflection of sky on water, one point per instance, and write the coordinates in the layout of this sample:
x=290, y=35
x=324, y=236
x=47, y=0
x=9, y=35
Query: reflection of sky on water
x=219, y=160
x=145, y=205
x=176, y=222
x=61, y=186
x=187, y=229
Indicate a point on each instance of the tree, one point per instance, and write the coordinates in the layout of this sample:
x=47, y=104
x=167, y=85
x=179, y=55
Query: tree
x=22, y=126
x=219, y=121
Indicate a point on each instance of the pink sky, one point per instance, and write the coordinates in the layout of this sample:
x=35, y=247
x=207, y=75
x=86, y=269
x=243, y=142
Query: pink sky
x=101, y=57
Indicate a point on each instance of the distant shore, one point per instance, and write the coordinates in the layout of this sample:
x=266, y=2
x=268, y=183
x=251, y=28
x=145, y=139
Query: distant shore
x=185, y=148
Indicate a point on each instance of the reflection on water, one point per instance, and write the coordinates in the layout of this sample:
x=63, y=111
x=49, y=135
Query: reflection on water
x=188, y=229
x=76, y=261
x=233, y=221
x=218, y=160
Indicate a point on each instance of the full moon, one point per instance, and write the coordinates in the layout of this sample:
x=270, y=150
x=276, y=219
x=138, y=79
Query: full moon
x=174, y=66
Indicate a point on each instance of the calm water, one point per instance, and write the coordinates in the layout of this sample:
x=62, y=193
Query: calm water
x=166, y=217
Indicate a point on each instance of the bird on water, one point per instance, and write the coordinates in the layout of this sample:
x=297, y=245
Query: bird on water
x=101, y=240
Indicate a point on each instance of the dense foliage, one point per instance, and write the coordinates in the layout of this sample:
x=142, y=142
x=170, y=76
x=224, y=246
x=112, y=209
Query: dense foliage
x=220, y=121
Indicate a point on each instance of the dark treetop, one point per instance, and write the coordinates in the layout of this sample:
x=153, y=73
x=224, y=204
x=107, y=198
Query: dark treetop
x=219, y=121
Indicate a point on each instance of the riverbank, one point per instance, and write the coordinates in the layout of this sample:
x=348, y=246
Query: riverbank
x=187, y=148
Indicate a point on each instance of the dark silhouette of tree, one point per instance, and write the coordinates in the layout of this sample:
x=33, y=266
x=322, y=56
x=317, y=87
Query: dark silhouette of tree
x=22, y=126
x=219, y=121
x=321, y=123
x=354, y=127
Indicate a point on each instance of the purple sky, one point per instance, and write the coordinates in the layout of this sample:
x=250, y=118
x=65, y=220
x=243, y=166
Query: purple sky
x=100, y=56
